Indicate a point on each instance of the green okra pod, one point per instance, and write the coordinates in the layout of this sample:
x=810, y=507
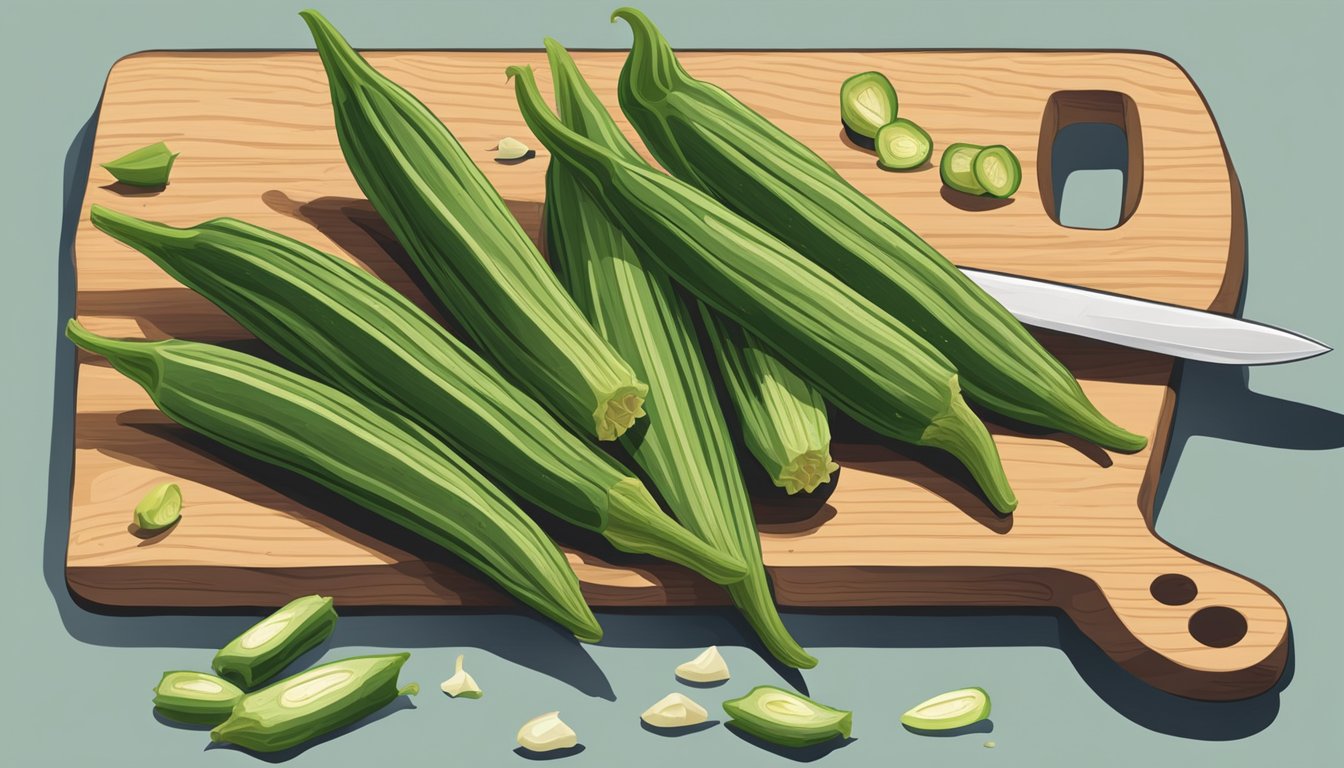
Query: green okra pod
x=862, y=359
x=366, y=454
x=707, y=138
x=313, y=703
x=470, y=249
x=685, y=449
x=349, y=329
x=273, y=643
x=783, y=418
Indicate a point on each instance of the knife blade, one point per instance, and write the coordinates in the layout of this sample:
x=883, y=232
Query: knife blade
x=1146, y=325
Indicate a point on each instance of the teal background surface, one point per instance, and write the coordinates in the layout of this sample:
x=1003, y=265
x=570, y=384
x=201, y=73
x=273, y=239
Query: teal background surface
x=1253, y=482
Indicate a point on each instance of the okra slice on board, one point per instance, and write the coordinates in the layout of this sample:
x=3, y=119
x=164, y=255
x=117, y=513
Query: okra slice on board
x=276, y=641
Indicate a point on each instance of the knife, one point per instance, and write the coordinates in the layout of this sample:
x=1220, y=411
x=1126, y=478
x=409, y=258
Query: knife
x=1146, y=325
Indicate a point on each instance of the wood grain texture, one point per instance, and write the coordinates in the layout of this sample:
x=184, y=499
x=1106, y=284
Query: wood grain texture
x=902, y=527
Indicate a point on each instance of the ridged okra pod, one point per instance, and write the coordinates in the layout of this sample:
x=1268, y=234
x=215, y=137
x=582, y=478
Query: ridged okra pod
x=783, y=418
x=369, y=455
x=349, y=329
x=469, y=248
x=685, y=449
x=312, y=703
x=704, y=136
x=273, y=643
x=862, y=359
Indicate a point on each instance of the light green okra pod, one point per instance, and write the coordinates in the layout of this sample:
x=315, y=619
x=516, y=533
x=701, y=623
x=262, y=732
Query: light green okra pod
x=783, y=418
x=685, y=448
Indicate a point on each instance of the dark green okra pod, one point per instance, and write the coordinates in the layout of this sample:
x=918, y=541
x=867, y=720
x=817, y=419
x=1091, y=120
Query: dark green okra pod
x=368, y=455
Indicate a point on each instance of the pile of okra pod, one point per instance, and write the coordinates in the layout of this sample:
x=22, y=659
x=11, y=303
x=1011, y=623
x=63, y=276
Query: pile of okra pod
x=753, y=265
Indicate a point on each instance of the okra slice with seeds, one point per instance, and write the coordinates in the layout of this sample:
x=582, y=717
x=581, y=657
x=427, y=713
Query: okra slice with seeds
x=276, y=641
x=997, y=170
x=786, y=718
x=867, y=102
x=314, y=703
x=195, y=697
x=957, y=168
x=902, y=145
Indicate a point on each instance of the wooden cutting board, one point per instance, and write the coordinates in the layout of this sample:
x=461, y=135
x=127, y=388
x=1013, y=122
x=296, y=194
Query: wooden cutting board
x=901, y=528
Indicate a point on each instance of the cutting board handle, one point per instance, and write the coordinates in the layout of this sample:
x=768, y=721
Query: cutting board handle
x=1168, y=617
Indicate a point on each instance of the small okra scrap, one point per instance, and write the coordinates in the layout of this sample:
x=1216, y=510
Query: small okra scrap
x=160, y=508
x=314, y=703
x=786, y=718
x=195, y=697
x=145, y=167
x=708, y=667
x=546, y=733
x=273, y=643
x=675, y=710
x=461, y=685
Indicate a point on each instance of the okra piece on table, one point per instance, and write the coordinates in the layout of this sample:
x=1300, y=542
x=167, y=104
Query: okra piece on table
x=786, y=718
x=313, y=703
x=861, y=358
x=365, y=453
x=707, y=138
x=276, y=641
x=685, y=449
x=352, y=331
x=470, y=249
x=195, y=697
x=783, y=418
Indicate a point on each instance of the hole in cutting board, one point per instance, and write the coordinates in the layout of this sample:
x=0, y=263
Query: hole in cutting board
x=1218, y=626
x=1173, y=589
x=1090, y=159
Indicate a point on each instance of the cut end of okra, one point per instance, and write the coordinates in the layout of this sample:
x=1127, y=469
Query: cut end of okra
x=708, y=667
x=902, y=145
x=546, y=733
x=806, y=472
x=619, y=412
